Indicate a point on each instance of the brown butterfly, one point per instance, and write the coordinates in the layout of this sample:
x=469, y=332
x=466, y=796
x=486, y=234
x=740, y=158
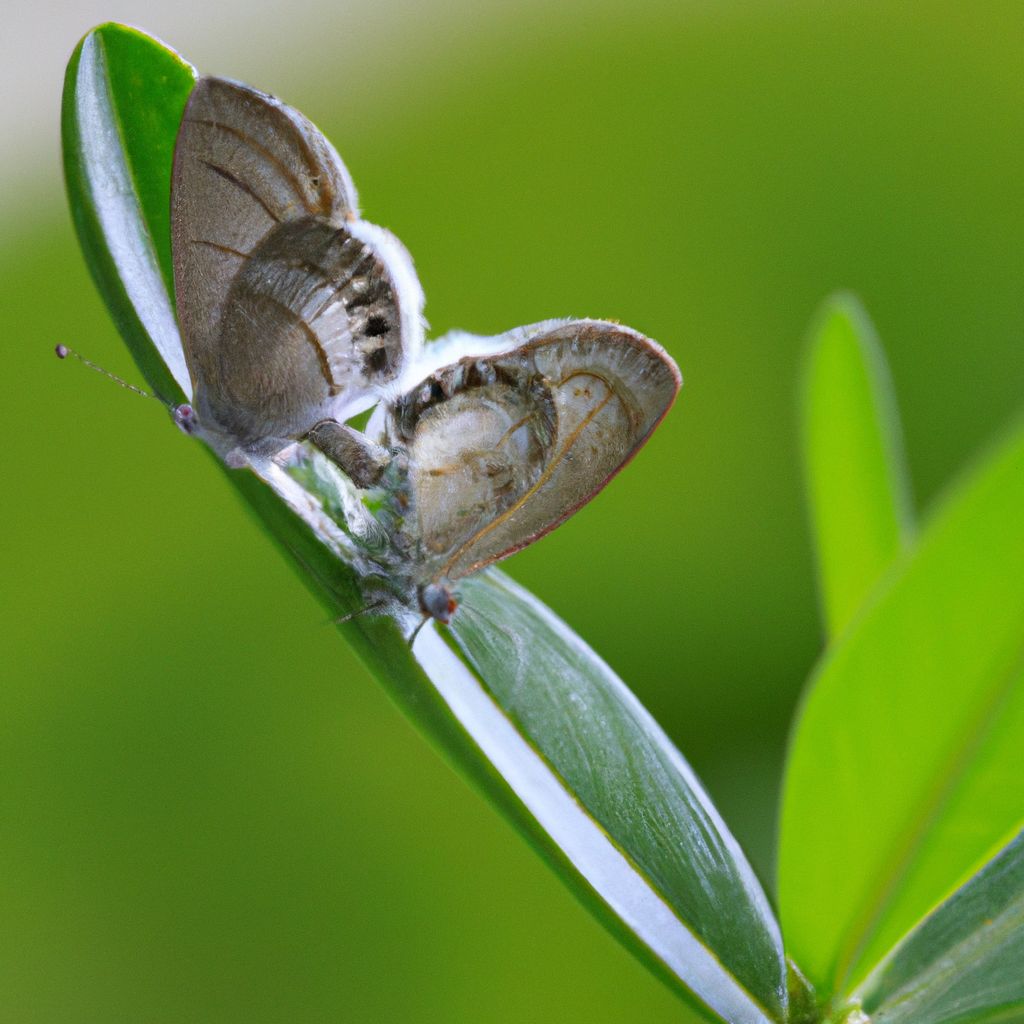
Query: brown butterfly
x=500, y=448
x=295, y=313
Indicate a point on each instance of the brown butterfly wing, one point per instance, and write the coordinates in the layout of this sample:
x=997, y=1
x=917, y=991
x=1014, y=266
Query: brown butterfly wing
x=282, y=308
x=504, y=448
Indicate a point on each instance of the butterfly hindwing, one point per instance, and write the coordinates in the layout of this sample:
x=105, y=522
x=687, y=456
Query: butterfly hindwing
x=504, y=447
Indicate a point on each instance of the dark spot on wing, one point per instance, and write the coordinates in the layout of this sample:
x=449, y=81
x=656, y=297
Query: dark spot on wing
x=377, y=360
x=376, y=326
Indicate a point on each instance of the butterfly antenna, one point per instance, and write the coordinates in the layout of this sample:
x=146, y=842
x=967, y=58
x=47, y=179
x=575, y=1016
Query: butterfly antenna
x=62, y=352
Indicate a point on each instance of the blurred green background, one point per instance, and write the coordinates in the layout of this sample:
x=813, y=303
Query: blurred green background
x=209, y=811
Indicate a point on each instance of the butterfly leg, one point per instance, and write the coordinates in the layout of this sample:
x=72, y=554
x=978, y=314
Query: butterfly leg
x=365, y=610
x=362, y=461
x=416, y=632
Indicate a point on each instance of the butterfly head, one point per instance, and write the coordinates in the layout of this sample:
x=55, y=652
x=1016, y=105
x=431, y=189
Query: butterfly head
x=226, y=445
x=185, y=419
x=438, y=601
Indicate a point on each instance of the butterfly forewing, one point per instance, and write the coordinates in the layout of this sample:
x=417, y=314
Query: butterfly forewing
x=285, y=312
x=243, y=163
x=504, y=448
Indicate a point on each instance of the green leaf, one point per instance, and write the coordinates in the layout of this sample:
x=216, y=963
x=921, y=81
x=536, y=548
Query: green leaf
x=124, y=94
x=904, y=770
x=520, y=704
x=646, y=816
x=965, y=962
x=853, y=459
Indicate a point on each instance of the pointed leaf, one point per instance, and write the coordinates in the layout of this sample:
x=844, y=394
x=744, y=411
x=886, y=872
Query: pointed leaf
x=551, y=736
x=631, y=785
x=965, y=962
x=124, y=94
x=853, y=459
x=904, y=769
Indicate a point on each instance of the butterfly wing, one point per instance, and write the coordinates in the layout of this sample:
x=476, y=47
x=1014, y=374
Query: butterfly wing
x=504, y=447
x=288, y=303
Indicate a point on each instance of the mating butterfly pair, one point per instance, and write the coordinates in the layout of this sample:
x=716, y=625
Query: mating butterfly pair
x=296, y=314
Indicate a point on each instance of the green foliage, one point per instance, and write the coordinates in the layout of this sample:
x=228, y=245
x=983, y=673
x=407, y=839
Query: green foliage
x=903, y=775
x=859, y=496
x=916, y=792
x=963, y=962
x=593, y=732
x=118, y=122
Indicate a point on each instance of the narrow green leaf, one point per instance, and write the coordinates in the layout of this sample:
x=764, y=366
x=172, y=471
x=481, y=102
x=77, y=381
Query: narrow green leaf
x=904, y=769
x=622, y=772
x=965, y=962
x=124, y=94
x=853, y=459
x=522, y=706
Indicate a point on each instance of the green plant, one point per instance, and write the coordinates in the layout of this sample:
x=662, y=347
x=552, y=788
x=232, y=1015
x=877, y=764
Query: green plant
x=900, y=888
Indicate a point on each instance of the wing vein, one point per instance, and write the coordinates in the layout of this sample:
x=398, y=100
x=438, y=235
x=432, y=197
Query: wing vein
x=267, y=155
x=549, y=470
x=220, y=248
x=239, y=184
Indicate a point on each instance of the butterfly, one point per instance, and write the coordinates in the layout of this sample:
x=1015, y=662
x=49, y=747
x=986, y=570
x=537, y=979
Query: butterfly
x=296, y=314
x=293, y=311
